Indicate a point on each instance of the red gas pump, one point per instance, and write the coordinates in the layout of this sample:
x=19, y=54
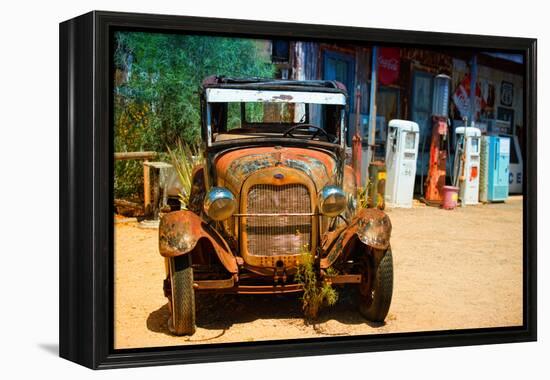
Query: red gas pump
x=433, y=191
x=439, y=147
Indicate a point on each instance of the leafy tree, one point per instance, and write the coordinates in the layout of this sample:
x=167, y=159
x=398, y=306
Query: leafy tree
x=157, y=80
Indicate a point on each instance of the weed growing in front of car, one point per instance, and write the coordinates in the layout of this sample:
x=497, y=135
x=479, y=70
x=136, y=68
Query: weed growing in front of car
x=317, y=293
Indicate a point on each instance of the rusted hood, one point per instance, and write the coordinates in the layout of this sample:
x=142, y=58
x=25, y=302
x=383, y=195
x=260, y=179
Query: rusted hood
x=234, y=167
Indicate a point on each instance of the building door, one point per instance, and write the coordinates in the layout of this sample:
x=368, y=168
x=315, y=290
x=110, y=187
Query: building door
x=421, y=113
x=340, y=67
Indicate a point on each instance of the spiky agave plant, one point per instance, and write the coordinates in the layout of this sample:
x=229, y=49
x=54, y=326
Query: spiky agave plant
x=184, y=159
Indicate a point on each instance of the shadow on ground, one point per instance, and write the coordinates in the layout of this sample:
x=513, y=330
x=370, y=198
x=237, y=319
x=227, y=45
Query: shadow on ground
x=221, y=311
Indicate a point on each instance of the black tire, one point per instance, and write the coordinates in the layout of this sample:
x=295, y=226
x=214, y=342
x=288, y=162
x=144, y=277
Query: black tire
x=376, y=292
x=182, y=321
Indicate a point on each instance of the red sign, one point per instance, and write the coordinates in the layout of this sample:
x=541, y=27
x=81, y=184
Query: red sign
x=388, y=65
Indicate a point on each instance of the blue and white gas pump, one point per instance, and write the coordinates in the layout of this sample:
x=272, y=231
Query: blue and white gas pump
x=495, y=162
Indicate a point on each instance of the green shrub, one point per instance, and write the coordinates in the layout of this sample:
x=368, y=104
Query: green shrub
x=156, y=90
x=128, y=181
x=317, y=293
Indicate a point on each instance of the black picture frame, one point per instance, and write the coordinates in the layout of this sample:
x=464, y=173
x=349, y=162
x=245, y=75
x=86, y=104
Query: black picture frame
x=86, y=172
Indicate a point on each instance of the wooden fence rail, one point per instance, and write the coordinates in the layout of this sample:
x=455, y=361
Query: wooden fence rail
x=135, y=155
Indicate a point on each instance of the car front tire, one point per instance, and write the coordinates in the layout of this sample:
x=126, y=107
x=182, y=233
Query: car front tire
x=377, y=288
x=182, y=321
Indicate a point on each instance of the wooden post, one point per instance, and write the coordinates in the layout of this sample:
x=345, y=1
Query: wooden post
x=146, y=188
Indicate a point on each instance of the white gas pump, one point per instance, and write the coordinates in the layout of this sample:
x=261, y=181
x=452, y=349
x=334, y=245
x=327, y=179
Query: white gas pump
x=467, y=171
x=401, y=156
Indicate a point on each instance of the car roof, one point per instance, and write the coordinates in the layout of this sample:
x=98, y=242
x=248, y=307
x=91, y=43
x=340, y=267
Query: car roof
x=274, y=84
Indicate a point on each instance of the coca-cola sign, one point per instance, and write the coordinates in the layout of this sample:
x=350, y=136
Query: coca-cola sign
x=461, y=98
x=388, y=65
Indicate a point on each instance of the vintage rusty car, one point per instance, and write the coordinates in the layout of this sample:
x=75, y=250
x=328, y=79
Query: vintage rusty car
x=274, y=184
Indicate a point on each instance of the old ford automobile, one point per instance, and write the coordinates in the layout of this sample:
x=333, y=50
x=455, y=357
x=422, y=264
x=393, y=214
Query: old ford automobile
x=274, y=185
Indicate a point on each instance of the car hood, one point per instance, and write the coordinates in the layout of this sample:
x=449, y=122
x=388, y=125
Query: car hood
x=234, y=167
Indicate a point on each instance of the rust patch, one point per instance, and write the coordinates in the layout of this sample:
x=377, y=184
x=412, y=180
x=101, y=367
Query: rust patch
x=283, y=97
x=343, y=279
x=234, y=167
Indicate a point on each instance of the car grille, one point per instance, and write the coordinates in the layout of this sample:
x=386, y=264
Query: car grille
x=276, y=235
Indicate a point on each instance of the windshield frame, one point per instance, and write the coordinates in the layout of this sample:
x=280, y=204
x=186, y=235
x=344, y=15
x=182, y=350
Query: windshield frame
x=222, y=95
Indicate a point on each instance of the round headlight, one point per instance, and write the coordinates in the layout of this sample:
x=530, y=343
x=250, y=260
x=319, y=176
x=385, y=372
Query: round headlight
x=332, y=200
x=219, y=203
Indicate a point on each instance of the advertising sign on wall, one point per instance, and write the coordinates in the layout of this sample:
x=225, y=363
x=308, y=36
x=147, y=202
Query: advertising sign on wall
x=461, y=97
x=388, y=65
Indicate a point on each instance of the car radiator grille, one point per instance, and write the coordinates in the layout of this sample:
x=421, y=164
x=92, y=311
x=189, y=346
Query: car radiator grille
x=280, y=234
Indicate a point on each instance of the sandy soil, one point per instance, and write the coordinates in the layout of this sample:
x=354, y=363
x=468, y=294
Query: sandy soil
x=453, y=270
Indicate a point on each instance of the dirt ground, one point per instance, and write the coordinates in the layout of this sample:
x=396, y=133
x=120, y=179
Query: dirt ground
x=452, y=270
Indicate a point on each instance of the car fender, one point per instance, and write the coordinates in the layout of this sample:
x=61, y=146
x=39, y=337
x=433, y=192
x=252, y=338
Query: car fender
x=370, y=227
x=180, y=231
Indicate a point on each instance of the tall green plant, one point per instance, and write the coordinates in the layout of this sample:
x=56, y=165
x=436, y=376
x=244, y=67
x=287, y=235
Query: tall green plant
x=317, y=293
x=184, y=158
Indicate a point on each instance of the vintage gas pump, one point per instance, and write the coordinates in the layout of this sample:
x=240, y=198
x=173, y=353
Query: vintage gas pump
x=435, y=180
x=401, y=156
x=494, y=168
x=467, y=164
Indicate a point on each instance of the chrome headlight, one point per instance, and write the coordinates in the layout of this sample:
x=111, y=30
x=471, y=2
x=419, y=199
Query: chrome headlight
x=332, y=200
x=219, y=203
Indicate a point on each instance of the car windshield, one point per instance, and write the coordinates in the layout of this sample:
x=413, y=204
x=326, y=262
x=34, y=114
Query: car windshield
x=246, y=117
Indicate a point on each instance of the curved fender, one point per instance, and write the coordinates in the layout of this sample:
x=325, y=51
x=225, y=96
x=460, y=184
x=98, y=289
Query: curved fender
x=180, y=231
x=370, y=226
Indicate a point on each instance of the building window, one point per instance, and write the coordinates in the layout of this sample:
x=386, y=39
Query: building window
x=280, y=51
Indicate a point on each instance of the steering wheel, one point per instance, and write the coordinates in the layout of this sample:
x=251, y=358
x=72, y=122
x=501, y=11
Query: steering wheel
x=318, y=130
